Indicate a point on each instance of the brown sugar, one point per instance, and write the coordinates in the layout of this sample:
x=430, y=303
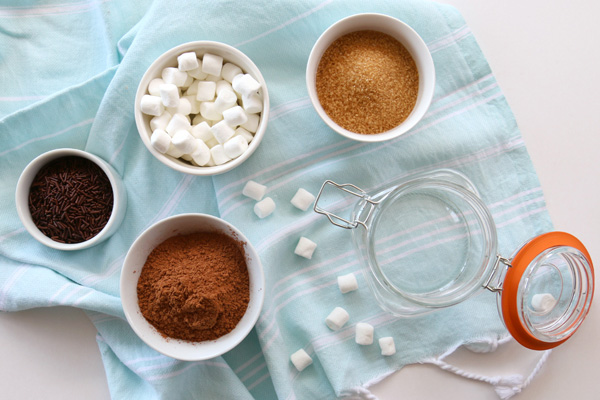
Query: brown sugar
x=367, y=82
x=195, y=287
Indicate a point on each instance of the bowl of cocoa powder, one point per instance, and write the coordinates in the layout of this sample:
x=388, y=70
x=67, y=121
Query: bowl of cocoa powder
x=70, y=199
x=370, y=77
x=192, y=286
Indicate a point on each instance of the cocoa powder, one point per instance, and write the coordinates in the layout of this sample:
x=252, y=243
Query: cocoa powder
x=195, y=287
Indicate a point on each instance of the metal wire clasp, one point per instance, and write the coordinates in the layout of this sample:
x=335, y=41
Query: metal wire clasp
x=339, y=221
x=497, y=287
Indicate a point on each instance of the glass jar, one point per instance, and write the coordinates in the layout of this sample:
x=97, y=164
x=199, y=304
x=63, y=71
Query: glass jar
x=428, y=242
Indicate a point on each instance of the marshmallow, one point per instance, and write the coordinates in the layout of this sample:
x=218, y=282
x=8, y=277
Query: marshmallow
x=151, y=105
x=218, y=155
x=154, y=86
x=184, y=107
x=212, y=64
x=347, y=283
x=184, y=142
x=199, y=118
x=160, y=140
x=244, y=133
x=302, y=199
x=337, y=318
x=178, y=122
x=205, y=91
x=194, y=104
x=187, y=61
x=245, y=84
x=222, y=132
x=388, y=348
x=543, y=302
x=305, y=248
x=192, y=90
x=213, y=78
x=197, y=72
x=254, y=190
x=301, y=359
x=225, y=100
x=264, y=208
x=229, y=71
x=202, y=131
x=201, y=155
x=252, y=103
x=173, y=152
x=161, y=121
x=235, y=147
x=188, y=82
x=364, y=333
x=235, y=116
x=222, y=85
x=169, y=94
x=174, y=76
x=209, y=111
x=252, y=124
x=212, y=142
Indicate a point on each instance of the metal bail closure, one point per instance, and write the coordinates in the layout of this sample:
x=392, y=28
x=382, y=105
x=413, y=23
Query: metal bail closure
x=547, y=291
x=336, y=219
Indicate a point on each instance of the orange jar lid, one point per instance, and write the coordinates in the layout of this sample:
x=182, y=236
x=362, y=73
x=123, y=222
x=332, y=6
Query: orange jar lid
x=548, y=290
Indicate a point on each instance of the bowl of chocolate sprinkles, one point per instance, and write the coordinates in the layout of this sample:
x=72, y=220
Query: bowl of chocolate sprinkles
x=69, y=199
x=192, y=286
x=370, y=77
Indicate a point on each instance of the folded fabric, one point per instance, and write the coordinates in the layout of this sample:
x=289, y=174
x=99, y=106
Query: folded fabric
x=88, y=58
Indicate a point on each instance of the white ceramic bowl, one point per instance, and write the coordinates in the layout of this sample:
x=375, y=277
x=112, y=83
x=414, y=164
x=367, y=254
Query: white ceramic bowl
x=401, y=32
x=22, y=198
x=134, y=261
x=169, y=59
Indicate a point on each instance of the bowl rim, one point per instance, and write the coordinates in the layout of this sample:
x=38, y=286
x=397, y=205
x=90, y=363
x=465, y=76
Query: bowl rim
x=24, y=185
x=426, y=91
x=162, y=61
x=164, y=345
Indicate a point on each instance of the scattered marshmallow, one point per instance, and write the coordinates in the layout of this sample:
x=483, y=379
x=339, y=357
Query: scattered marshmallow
x=194, y=104
x=301, y=359
x=337, y=318
x=347, y=283
x=218, y=154
x=212, y=64
x=302, y=199
x=225, y=99
x=205, y=91
x=209, y=111
x=201, y=155
x=244, y=133
x=152, y=105
x=184, y=142
x=222, y=131
x=254, y=190
x=235, y=147
x=235, y=116
x=169, y=93
x=305, y=248
x=187, y=61
x=184, y=107
x=543, y=302
x=177, y=123
x=364, y=333
x=174, y=76
x=174, y=152
x=229, y=71
x=160, y=140
x=245, y=84
x=388, y=348
x=264, y=208
x=197, y=73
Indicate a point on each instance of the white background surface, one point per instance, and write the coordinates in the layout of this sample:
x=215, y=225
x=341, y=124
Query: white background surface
x=546, y=58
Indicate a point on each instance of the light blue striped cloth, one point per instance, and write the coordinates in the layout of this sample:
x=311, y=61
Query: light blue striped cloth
x=68, y=75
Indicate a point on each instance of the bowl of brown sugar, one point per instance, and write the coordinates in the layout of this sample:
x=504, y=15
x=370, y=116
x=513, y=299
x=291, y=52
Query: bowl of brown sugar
x=70, y=199
x=192, y=286
x=370, y=77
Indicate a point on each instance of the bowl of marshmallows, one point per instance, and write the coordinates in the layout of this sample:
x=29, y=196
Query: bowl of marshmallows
x=202, y=108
